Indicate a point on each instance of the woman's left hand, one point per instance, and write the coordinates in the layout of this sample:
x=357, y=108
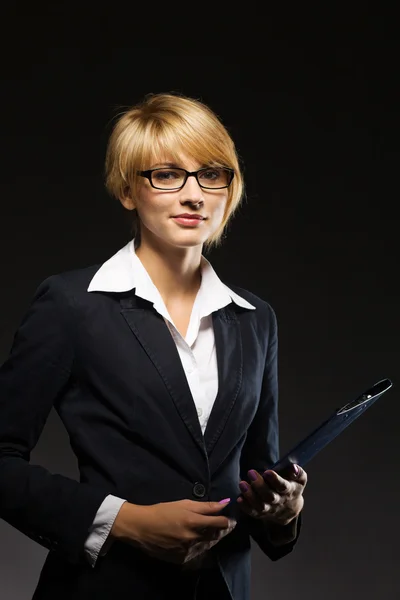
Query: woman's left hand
x=275, y=499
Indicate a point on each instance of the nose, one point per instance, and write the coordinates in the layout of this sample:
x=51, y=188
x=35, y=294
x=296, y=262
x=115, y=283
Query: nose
x=191, y=191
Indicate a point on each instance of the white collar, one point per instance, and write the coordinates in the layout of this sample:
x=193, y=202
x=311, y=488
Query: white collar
x=124, y=271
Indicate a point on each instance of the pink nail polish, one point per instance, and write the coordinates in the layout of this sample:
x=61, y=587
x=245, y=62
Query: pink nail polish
x=226, y=500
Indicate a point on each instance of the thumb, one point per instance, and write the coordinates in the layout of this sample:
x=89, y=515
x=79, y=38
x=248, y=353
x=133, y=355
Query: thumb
x=221, y=504
x=211, y=507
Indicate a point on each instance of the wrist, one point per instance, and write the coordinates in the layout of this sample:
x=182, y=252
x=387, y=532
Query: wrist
x=280, y=534
x=126, y=525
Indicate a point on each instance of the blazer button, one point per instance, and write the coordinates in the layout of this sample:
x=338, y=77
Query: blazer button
x=199, y=490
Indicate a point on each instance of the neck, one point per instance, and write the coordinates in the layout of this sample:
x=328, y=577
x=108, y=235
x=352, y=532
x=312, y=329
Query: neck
x=174, y=271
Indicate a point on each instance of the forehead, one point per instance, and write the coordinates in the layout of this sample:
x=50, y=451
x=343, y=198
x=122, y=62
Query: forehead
x=181, y=159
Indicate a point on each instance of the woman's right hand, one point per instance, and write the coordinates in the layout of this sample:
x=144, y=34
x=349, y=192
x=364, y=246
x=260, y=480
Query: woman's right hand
x=176, y=532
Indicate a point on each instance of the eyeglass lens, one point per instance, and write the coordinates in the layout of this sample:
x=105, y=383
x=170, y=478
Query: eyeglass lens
x=174, y=178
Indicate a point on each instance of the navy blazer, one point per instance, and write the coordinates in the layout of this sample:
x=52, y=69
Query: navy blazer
x=108, y=364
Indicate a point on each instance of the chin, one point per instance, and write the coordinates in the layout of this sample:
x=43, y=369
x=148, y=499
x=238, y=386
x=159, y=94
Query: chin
x=183, y=238
x=187, y=243
x=187, y=238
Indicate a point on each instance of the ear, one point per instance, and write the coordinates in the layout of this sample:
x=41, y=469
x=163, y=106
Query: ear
x=126, y=199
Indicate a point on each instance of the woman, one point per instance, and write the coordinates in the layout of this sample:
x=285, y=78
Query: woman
x=166, y=381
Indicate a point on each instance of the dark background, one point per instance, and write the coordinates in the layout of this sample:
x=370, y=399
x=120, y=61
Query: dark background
x=317, y=128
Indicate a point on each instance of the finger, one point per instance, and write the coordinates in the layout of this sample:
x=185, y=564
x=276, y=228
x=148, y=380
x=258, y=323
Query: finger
x=247, y=508
x=253, y=498
x=295, y=473
x=277, y=482
x=262, y=489
x=203, y=523
x=210, y=534
x=300, y=475
x=205, y=507
x=214, y=535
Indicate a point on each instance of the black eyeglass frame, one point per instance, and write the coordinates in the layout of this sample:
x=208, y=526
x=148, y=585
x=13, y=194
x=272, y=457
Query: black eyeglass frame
x=148, y=173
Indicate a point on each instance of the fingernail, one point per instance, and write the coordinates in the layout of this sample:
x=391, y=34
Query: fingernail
x=253, y=475
x=296, y=470
x=243, y=486
x=224, y=501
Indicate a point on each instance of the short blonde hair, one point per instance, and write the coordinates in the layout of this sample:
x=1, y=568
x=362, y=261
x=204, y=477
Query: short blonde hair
x=170, y=124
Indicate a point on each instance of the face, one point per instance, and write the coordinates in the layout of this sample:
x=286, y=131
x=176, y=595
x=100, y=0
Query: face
x=158, y=209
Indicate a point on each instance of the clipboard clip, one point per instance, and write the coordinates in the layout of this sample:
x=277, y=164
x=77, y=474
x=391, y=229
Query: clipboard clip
x=367, y=397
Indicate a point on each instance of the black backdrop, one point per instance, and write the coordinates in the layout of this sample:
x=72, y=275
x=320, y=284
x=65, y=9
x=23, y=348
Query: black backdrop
x=317, y=129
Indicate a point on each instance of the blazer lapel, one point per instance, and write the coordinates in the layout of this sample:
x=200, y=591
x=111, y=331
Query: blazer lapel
x=228, y=344
x=156, y=340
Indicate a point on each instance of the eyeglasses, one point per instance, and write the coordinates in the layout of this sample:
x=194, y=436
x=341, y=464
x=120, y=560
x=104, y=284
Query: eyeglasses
x=212, y=178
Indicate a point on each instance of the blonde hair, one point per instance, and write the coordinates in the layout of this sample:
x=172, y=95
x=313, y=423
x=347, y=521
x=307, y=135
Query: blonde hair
x=170, y=124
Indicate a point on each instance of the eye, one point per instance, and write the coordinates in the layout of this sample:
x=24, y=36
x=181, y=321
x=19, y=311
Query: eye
x=210, y=174
x=166, y=174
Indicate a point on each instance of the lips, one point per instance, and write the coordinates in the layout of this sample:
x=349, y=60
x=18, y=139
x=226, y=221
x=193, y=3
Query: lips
x=189, y=216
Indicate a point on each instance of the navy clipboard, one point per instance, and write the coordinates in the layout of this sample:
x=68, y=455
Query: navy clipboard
x=320, y=437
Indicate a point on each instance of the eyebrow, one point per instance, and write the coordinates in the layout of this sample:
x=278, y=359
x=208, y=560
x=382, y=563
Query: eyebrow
x=165, y=164
x=173, y=165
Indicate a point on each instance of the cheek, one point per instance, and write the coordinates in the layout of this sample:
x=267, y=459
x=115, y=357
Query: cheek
x=220, y=207
x=154, y=211
x=151, y=205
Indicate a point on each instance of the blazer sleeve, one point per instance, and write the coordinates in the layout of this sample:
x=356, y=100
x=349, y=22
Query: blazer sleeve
x=99, y=540
x=51, y=509
x=261, y=449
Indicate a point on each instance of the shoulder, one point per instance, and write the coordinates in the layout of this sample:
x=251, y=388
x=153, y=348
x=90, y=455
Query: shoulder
x=67, y=285
x=77, y=280
x=263, y=309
